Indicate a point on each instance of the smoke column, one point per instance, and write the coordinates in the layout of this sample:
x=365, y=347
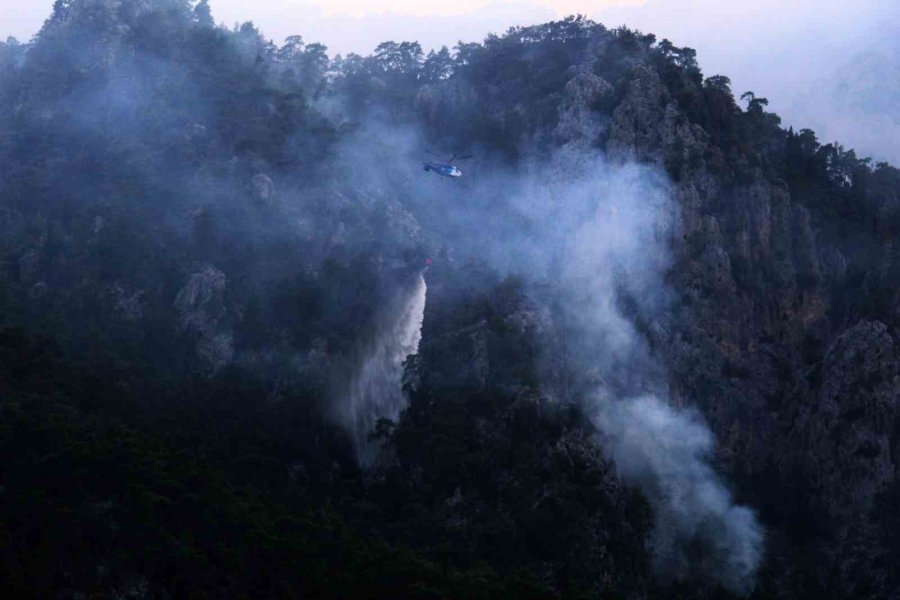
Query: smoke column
x=601, y=233
x=620, y=248
x=699, y=530
x=375, y=389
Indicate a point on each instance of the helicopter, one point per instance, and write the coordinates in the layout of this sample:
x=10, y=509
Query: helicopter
x=445, y=169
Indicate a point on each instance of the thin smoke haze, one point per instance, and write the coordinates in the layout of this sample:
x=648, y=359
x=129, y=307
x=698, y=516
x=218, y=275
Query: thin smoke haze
x=599, y=231
x=290, y=222
x=830, y=44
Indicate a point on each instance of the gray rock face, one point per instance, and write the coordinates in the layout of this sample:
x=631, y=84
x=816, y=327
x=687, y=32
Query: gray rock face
x=578, y=124
x=845, y=441
x=201, y=306
x=401, y=223
x=647, y=123
x=849, y=425
x=755, y=285
x=263, y=187
x=202, y=298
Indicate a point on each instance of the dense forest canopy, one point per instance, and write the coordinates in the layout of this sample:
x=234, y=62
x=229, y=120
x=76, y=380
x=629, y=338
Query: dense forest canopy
x=210, y=243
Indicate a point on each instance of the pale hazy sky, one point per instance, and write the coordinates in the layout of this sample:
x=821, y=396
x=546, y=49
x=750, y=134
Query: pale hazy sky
x=353, y=25
x=777, y=48
x=724, y=32
x=23, y=18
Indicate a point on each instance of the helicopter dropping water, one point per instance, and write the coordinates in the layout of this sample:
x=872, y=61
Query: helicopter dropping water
x=445, y=169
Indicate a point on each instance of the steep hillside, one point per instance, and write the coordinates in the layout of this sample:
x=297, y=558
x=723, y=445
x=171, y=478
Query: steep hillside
x=646, y=346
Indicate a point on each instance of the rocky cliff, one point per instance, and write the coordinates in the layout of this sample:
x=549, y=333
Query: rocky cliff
x=205, y=236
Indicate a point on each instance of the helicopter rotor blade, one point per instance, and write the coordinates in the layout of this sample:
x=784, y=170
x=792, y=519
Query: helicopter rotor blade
x=464, y=157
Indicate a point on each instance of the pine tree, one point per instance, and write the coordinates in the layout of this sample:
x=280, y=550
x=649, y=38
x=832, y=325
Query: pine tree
x=203, y=14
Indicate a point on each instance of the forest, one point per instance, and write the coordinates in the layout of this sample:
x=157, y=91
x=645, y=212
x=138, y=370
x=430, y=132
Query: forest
x=648, y=346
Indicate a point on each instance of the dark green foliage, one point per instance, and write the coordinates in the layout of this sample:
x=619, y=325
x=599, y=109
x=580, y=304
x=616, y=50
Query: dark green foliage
x=203, y=14
x=485, y=468
x=92, y=505
x=143, y=146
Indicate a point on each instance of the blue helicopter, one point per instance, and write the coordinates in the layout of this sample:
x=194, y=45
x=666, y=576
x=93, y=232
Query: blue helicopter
x=445, y=169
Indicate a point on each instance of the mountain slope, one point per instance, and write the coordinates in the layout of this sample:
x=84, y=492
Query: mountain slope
x=204, y=235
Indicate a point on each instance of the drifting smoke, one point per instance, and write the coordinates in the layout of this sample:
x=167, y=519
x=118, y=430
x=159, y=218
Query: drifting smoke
x=601, y=235
x=375, y=389
x=699, y=529
x=620, y=250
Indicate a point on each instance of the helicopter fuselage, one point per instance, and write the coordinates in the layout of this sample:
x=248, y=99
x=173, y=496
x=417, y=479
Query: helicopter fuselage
x=442, y=169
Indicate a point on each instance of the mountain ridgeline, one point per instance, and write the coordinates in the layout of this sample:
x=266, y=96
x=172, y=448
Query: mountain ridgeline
x=648, y=346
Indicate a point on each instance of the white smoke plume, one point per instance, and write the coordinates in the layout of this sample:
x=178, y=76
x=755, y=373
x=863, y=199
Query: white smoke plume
x=699, y=530
x=600, y=232
x=620, y=247
x=597, y=233
x=375, y=390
